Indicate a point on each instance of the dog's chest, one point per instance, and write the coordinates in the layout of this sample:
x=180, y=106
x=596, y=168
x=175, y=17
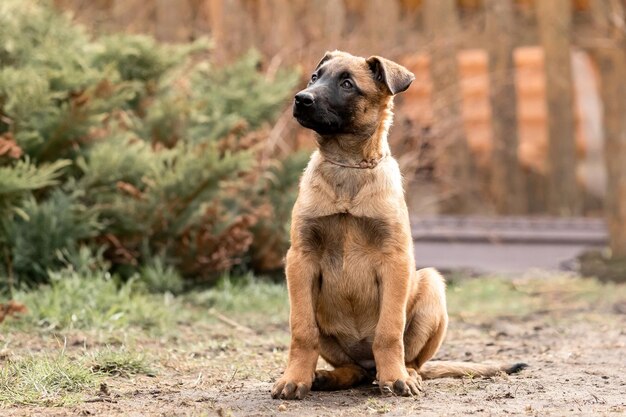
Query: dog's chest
x=339, y=235
x=348, y=249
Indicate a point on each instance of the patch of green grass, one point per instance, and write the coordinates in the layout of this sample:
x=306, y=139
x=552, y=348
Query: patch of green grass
x=158, y=277
x=246, y=297
x=494, y=296
x=94, y=300
x=44, y=380
x=488, y=296
x=120, y=363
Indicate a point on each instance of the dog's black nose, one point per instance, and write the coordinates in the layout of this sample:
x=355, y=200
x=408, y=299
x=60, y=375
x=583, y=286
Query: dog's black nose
x=305, y=99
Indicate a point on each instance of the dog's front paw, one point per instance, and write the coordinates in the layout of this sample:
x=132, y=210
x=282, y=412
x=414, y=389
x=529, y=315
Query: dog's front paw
x=287, y=388
x=405, y=386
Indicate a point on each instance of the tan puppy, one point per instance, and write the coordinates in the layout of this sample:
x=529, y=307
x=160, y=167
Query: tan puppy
x=355, y=296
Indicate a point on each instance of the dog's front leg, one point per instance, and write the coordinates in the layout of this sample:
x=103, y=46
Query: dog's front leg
x=301, y=271
x=394, y=276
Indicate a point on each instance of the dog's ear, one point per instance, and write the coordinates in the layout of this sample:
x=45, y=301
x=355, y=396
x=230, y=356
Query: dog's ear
x=327, y=57
x=394, y=76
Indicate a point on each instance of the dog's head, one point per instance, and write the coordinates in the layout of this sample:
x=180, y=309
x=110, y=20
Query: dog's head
x=348, y=94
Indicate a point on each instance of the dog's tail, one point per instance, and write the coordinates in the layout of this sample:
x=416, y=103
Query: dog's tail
x=444, y=369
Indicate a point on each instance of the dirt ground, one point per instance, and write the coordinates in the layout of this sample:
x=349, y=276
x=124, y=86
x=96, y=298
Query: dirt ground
x=576, y=351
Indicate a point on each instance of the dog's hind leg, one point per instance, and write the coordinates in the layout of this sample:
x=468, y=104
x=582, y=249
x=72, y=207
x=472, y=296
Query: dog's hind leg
x=427, y=319
x=346, y=373
x=426, y=327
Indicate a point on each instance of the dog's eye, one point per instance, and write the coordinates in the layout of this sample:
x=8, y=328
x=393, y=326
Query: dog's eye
x=313, y=78
x=347, y=84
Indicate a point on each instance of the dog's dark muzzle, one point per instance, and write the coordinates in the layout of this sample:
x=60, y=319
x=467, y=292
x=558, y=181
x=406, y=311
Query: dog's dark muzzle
x=312, y=110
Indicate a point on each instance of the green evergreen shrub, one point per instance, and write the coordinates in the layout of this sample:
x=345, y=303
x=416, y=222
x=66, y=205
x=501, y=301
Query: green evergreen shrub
x=49, y=232
x=134, y=150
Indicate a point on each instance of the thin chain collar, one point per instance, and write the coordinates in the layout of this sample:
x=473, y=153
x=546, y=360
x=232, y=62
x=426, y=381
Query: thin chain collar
x=364, y=164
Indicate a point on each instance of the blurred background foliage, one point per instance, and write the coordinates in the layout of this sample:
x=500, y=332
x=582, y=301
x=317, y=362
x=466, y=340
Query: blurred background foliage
x=120, y=153
x=516, y=109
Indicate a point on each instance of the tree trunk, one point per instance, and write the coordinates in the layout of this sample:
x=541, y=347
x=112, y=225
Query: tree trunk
x=506, y=175
x=454, y=162
x=612, y=65
x=555, y=18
